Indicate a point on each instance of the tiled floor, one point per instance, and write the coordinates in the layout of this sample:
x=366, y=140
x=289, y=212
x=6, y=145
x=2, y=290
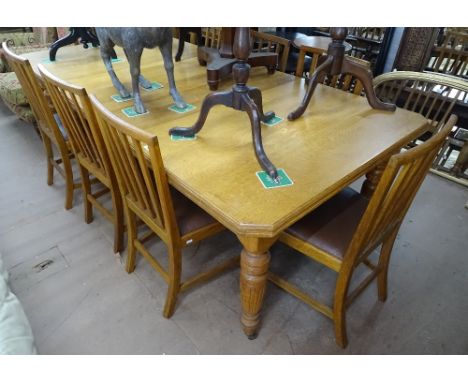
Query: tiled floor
x=85, y=303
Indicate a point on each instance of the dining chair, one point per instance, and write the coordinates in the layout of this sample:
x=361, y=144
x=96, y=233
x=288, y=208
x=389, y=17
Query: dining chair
x=76, y=113
x=49, y=124
x=213, y=36
x=343, y=232
x=451, y=57
x=432, y=95
x=136, y=158
x=304, y=66
x=264, y=42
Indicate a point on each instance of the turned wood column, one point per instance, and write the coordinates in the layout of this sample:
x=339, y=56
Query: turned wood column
x=372, y=179
x=255, y=260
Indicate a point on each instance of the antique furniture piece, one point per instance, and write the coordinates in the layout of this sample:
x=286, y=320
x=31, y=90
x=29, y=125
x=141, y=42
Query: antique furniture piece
x=220, y=61
x=367, y=43
x=75, y=112
x=50, y=127
x=133, y=41
x=264, y=42
x=242, y=98
x=343, y=81
x=433, y=95
x=362, y=139
x=343, y=232
x=415, y=48
x=147, y=196
x=85, y=35
x=336, y=63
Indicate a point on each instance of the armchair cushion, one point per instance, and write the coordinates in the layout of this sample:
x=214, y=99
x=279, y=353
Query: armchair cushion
x=23, y=112
x=11, y=90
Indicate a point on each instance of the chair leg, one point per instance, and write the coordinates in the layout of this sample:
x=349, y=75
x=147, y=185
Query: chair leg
x=86, y=186
x=175, y=265
x=339, y=307
x=384, y=260
x=50, y=158
x=118, y=221
x=132, y=234
x=68, y=180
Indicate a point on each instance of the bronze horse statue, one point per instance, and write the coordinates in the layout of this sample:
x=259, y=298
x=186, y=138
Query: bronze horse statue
x=133, y=41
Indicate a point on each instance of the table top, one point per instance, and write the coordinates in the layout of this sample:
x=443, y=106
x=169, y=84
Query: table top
x=338, y=139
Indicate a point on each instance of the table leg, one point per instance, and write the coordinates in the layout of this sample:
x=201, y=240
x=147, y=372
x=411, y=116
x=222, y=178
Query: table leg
x=373, y=178
x=255, y=259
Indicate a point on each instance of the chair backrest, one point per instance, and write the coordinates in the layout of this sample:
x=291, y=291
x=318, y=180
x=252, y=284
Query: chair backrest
x=452, y=56
x=429, y=94
x=370, y=33
x=348, y=82
x=264, y=42
x=75, y=111
x=303, y=51
x=34, y=93
x=394, y=194
x=137, y=162
x=212, y=36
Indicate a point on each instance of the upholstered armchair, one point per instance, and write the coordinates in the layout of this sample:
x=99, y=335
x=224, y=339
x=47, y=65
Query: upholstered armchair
x=21, y=41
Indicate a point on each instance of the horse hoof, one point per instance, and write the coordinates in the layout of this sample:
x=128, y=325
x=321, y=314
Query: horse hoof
x=125, y=94
x=140, y=109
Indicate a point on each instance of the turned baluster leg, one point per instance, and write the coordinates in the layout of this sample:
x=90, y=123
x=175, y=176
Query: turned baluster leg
x=255, y=259
x=372, y=179
x=256, y=96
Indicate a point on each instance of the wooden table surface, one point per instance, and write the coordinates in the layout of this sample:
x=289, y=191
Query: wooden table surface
x=317, y=42
x=337, y=140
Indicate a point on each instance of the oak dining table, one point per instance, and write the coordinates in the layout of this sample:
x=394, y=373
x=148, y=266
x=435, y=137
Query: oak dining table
x=339, y=139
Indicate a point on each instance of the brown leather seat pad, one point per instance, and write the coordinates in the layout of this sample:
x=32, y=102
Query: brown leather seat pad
x=331, y=226
x=189, y=216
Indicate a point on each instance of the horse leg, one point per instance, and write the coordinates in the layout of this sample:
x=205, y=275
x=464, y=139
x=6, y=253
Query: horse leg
x=106, y=54
x=143, y=81
x=166, y=52
x=134, y=60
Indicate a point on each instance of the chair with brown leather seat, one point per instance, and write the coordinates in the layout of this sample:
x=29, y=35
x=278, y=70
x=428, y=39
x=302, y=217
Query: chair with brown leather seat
x=343, y=232
x=49, y=125
x=75, y=111
x=136, y=158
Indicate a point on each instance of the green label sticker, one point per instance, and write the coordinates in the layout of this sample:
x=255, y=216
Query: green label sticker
x=268, y=182
x=116, y=60
x=119, y=98
x=179, y=110
x=273, y=121
x=131, y=112
x=154, y=86
x=175, y=137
